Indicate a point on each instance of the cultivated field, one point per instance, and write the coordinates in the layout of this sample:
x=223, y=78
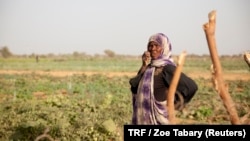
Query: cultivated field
x=88, y=98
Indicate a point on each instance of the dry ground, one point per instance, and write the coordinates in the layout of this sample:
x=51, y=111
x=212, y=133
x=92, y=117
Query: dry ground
x=205, y=75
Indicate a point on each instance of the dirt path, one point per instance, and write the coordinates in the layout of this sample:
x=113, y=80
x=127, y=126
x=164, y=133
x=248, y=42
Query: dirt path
x=205, y=75
x=65, y=73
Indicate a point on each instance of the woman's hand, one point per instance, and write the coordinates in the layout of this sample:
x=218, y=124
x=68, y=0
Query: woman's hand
x=146, y=59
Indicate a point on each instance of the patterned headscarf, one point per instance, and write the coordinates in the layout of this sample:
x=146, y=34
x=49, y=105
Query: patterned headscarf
x=147, y=110
x=166, y=55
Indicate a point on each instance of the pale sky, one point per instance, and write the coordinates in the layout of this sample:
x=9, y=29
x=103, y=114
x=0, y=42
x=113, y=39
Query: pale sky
x=123, y=26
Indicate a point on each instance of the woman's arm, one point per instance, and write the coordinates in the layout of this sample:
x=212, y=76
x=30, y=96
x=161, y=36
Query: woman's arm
x=134, y=82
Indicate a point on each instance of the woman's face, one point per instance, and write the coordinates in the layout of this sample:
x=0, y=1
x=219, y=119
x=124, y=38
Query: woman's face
x=155, y=50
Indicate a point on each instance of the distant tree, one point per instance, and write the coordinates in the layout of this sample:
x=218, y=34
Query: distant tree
x=76, y=54
x=5, y=52
x=109, y=53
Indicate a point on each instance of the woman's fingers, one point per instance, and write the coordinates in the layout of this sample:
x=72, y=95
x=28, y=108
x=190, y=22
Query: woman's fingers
x=146, y=58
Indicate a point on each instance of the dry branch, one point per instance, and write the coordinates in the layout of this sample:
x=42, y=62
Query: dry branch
x=246, y=56
x=172, y=89
x=45, y=135
x=209, y=29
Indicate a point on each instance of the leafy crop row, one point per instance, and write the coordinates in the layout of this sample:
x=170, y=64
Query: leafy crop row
x=92, y=107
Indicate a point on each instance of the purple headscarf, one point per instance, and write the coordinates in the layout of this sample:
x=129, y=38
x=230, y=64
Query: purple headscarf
x=166, y=55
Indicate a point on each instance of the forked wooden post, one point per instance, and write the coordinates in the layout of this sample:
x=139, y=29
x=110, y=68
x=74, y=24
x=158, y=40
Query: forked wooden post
x=209, y=29
x=171, y=92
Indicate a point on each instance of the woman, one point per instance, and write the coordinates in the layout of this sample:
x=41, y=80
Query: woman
x=151, y=84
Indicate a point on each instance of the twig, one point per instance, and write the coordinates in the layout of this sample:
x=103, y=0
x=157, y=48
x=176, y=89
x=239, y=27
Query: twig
x=45, y=135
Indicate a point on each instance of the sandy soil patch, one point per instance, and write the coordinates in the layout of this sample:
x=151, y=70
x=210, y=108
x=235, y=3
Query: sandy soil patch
x=205, y=75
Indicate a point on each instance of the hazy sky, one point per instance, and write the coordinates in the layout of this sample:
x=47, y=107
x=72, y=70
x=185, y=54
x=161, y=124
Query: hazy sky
x=123, y=26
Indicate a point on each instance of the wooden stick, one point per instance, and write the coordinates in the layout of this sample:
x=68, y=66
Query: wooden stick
x=209, y=29
x=172, y=88
x=246, y=56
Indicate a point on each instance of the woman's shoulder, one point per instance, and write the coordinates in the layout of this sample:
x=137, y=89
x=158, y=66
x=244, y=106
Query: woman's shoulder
x=169, y=68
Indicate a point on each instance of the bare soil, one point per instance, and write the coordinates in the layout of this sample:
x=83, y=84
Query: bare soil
x=194, y=75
